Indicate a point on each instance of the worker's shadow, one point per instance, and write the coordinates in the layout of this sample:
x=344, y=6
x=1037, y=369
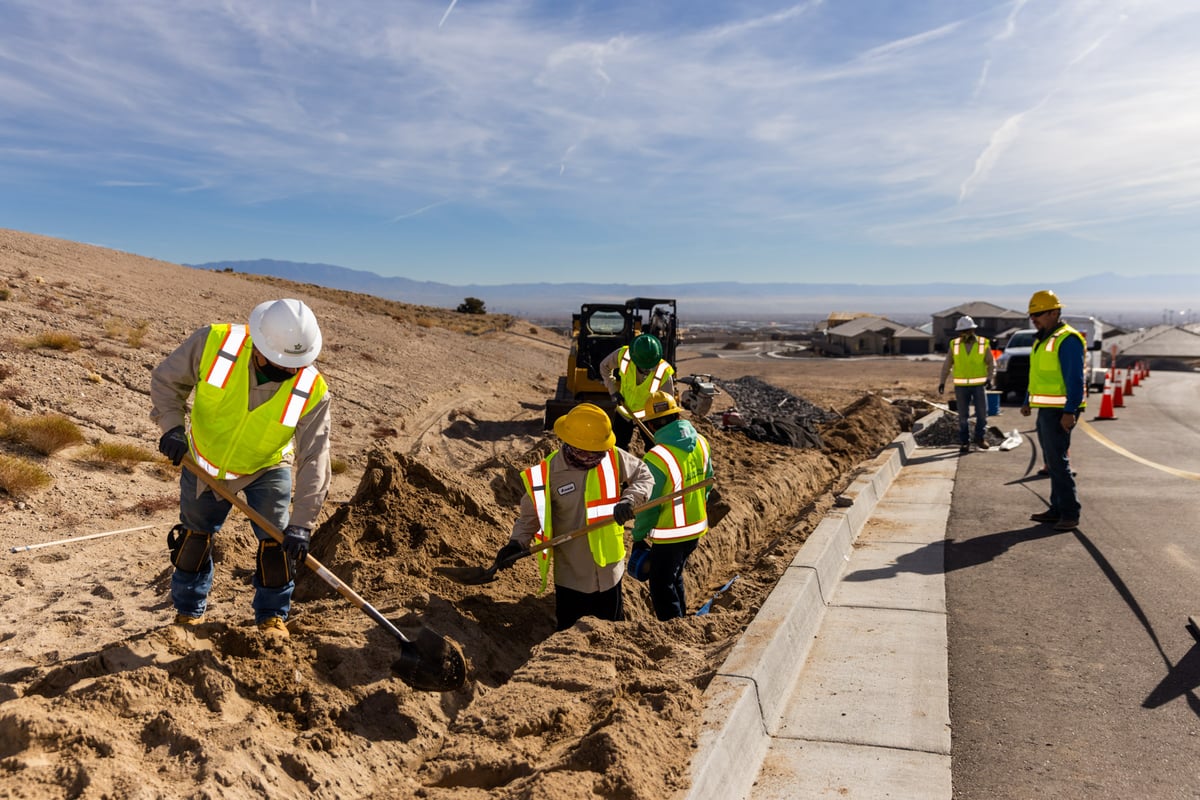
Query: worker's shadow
x=948, y=555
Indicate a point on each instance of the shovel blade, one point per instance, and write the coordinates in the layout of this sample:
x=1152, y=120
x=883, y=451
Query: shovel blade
x=431, y=663
x=471, y=576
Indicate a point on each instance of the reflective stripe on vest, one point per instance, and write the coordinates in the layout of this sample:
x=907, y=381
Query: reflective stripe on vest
x=1047, y=386
x=610, y=489
x=299, y=396
x=636, y=396
x=687, y=516
x=227, y=353
x=970, y=364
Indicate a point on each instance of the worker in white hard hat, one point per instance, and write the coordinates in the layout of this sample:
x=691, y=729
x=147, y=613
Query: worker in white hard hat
x=969, y=357
x=261, y=407
x=587, y=480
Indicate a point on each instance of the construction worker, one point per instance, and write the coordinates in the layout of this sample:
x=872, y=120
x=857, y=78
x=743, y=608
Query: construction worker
x=259, y=405
x=631, y=374
x=665, y=536
x=587, y=480
x=1056, y=390
x=970, y=358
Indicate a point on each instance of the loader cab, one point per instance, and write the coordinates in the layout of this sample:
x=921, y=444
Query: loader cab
x=597, y=330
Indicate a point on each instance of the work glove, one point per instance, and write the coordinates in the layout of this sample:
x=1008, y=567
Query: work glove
x=623, y=512
x=295, y=542
x=941, y=388
x=174, y=444
x=506, y=556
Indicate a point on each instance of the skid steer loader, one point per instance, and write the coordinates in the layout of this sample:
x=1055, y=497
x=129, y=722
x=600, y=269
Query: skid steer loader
x=599, y=329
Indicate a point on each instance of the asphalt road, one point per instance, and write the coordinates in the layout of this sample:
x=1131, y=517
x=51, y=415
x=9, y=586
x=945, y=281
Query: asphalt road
x=1071, y=672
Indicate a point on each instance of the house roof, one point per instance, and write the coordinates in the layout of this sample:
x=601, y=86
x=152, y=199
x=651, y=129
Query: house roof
x=980, y=308
x=1164, y=341
x=862, y=325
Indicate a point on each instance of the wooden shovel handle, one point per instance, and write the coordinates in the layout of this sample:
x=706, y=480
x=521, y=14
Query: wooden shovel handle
x=602, y=521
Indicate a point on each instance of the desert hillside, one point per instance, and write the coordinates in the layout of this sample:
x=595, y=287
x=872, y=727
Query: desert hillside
x=434, y=413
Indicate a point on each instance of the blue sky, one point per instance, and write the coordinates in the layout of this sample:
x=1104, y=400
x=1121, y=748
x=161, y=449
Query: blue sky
x=868, y=141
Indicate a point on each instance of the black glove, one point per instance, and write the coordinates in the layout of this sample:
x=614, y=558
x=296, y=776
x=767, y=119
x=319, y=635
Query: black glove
x=174, y=444
x=506, y=556
x=295, y=542
x=941, y=388
x=623, y=512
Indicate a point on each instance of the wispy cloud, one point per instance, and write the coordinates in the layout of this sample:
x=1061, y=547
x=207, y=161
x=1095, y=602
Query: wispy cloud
x=952, y=122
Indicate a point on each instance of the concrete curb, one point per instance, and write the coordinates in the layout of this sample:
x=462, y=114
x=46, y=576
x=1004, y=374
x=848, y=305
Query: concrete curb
x=744, y=702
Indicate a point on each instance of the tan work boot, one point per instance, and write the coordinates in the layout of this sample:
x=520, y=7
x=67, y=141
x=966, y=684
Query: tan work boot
x=274, y=627
x=185, y=619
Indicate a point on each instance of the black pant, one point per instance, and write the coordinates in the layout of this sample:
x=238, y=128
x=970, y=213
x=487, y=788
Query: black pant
x=667, y=560
x=571, y=606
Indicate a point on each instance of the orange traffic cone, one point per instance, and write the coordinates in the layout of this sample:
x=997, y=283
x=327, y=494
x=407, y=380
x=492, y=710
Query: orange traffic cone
x=1137, y=374
x=1106, y=403
x=1118, y=395
x=1128, y=382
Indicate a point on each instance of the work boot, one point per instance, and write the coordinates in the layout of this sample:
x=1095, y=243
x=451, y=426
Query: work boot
x=1045, y=516
x=981, y=444
x=187, y=619
x=963, y=449
x=1065, y=524
x=274, y=627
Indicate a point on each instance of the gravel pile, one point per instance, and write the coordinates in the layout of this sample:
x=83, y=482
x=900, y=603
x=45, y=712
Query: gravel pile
x=944, y=432
x=755, y=398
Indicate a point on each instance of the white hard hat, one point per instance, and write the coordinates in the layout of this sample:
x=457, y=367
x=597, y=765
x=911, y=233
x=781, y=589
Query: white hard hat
x=286, y=332
x=964, y=323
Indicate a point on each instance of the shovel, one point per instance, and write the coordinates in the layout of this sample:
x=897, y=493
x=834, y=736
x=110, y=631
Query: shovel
x=433, y=663
x=473, y=576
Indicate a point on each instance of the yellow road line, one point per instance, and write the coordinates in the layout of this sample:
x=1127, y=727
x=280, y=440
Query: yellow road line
x=1116, y=448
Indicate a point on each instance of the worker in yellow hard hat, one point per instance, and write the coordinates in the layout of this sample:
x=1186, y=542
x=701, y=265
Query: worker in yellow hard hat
x=1057, y=391
x=664, y=537
x=631, y=374
x=589, y=479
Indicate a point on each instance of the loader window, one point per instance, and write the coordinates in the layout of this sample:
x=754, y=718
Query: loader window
x=606, y=323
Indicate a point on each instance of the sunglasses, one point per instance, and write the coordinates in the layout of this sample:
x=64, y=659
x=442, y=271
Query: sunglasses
x=1038, y=314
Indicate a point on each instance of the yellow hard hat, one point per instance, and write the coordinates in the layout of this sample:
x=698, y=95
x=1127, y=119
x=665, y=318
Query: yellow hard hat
x=587, y=427
x=1045, y=300
x=661, y=404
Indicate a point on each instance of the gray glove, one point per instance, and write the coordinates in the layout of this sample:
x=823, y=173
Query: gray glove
x=174, y=444
x=506, y=556
x=623, y=512
x=295, y=542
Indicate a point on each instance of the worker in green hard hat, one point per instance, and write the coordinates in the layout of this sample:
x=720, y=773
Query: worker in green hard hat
x=632, y=373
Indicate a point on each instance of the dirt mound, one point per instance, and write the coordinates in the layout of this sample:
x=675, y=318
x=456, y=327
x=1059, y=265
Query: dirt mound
x=604, y=709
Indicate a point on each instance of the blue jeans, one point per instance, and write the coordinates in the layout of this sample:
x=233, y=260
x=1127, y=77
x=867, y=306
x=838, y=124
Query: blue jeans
x=964, y=396
x=1055, y=442
x=270, y=494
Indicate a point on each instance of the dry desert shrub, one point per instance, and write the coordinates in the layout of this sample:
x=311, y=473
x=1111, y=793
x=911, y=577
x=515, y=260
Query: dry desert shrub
x=133, y=333
x=47, y=434
x=152, y=505
x=338, y=465
x=119, y=454
x=55, y=340
x=19, y=476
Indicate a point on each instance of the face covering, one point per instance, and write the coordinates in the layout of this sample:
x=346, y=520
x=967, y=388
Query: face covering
x=581, y=459
x=276, y=373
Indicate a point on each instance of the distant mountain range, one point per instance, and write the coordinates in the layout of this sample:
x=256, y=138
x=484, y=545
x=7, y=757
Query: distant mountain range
x=1109, y=295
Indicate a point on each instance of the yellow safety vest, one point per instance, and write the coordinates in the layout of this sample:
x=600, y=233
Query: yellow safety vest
x=970, y=364
x=1047, y=386
x=636, y=394
x=227, y=439
x=601, y=492
x=685, y=517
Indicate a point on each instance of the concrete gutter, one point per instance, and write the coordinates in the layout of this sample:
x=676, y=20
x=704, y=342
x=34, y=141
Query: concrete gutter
x=746, y=706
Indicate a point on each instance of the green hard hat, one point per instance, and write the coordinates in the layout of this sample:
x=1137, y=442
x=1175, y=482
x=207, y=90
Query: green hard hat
x=646, y=351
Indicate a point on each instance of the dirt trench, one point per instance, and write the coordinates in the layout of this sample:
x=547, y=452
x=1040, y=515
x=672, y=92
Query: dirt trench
x=609, y=710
